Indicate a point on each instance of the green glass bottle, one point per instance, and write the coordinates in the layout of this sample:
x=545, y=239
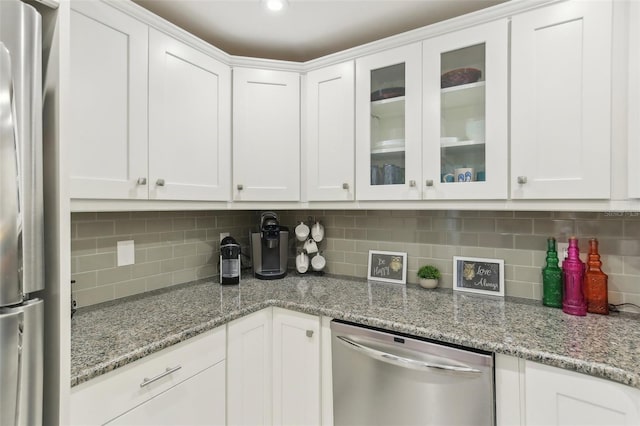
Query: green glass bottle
x=552, y=277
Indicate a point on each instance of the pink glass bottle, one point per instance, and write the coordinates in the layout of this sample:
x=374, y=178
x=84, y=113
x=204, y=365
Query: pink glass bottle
x=573, y=300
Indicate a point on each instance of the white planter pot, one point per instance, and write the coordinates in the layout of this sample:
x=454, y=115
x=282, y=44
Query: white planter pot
x=428, y=283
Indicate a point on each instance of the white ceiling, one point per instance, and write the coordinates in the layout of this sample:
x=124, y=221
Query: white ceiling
x=306, y=29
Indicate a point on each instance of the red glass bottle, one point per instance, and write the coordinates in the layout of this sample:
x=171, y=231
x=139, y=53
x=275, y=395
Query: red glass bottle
x=573, y=301
x=595, y=282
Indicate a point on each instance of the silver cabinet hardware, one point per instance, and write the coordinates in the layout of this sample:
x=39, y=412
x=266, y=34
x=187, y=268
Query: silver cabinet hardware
x=522, y=180
x=429, y=182
x=160, y=182
x=142, y=181
x=309, y=333
x=168, y=371
x=412, y=183
x=345, y=186
x=240, y=187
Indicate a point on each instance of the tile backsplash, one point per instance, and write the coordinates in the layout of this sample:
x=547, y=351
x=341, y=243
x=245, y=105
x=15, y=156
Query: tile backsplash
x=176, y=247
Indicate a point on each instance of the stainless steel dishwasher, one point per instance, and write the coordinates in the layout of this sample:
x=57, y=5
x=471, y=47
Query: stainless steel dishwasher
x=381, y=378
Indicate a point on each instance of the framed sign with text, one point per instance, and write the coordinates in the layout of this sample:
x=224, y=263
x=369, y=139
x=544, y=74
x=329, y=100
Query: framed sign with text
x=478, y=275
x=387, y=266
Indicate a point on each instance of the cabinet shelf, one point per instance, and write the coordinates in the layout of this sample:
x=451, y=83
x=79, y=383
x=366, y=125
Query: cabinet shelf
x=458, y=144
x=463, y=95
x=391, y=107
x=382, y=151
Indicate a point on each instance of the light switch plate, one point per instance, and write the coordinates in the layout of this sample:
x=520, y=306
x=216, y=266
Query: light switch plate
x=126, y=253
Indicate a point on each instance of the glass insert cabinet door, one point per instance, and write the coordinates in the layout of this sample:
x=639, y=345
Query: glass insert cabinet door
x=388, y=124
x=465, y=114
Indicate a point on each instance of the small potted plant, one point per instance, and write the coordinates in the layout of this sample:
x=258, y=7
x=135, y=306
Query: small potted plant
x=429, y=276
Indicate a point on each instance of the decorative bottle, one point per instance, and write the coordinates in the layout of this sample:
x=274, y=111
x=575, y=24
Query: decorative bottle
x=573, y=301
x=595, y=282
x=552, y=277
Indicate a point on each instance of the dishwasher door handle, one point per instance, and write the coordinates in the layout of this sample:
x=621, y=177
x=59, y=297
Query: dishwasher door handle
x=402, y=361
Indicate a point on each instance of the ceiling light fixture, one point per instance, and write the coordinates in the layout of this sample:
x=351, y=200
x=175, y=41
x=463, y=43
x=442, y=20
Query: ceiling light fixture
x=275, y=5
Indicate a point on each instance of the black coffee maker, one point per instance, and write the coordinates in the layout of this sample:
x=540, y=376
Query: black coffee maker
x=269, y=248
x=229, y=261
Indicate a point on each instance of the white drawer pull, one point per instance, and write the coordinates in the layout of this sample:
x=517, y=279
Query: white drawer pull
x=168, y=371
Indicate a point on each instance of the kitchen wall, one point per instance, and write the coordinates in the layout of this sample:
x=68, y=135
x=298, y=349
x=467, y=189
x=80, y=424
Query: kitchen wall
x=175, y=247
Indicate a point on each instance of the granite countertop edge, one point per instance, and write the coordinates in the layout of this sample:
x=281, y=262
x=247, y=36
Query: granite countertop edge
x=596, y=369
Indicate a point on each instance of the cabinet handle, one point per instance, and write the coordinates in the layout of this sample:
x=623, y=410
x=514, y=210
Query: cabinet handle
x=160, y=182
x=142, y=181
x=345, y=186
x=240, y=187
x=309, y=333
x=168, y=371
x=412, y=183
x=429, y=182
x=522, y=180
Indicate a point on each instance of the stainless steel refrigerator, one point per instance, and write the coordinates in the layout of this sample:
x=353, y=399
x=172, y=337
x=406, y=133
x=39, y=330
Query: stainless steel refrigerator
x=21, y=215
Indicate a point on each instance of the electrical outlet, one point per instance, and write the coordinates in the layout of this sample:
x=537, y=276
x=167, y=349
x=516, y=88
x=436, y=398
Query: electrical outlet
x=223, y=235
x=563, y=251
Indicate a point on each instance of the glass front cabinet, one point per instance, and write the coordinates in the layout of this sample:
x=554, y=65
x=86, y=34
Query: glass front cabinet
x=464, y=150
x=388, y=130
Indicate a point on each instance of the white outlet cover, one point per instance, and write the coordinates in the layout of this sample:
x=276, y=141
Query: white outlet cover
x=126, y=253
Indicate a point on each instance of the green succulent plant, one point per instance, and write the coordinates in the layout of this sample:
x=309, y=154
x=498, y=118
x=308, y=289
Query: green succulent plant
x=429, y=272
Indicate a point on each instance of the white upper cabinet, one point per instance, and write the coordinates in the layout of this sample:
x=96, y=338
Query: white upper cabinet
x=266, y=135
x=108, y=104
x=561, y=101
x=189, y=122
x=465, y=112
x=634, y=99
x=330, y=134
x=388, y=129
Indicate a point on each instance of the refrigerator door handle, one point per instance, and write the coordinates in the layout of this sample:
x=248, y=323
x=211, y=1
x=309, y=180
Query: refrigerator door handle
x=10, y=291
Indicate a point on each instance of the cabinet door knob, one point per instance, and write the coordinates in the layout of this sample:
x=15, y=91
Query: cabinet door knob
x=160, y=182
x=429, y=182
x=522, y=180
x=142, y=181
x=240, y=187
x=345, y=185
x=309, y=333
x=412, y=183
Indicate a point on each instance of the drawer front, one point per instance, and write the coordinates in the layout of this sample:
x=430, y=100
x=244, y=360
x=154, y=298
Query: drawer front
x=103, y=398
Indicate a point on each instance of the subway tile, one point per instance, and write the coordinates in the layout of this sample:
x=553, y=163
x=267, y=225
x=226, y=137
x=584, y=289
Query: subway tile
x=445, y=252
x=431, y=237
x=515, y=257
x=444, y=265
x=360, y=271
x=575, y=215
x=391, y=223
x=334, y=256
x=131, y=226
x=74, y=230
x=616, y=264
x=344, y=269
x=159, y=253
x=356, y=258
x=529, y=274
x=117, y=216
x=184, y=276
x=199, y=235
x=173, y=237
x=110, y=244
x=95, y=262
x=624, y=283
x=530, y=242
x=478, y=252
x=631, y=298
x=144, y=215
x=193, y=261
x=599, y=228
x=446, y=224
x=519, y=289
x=155, y=282
x=537, y=291
x=344, y=245
x=83, y=247
x=514, y=226
x=334, y=232
x=95, y=295
x=365, y=246
x=80, y=217
x=344, y=222
x=206, y=247
x=224, y=221
x=615, y=297
x=95, y=229
x=355, y=234
x=424, y=223
x=83, y=281
x=184, y=224
x=379, y=213
x=145, y=269
x=172, y=265
x=205, y=222
x=631, y=229
x=540, y=257
x=367, y=222
x=114, y=275
x=534, y=215
x=171, y=214
x=462, y=238
x=146, y=240
x=619, y=246
x=140, y=255
x=159, y=225
x=425, y=250
x=630, y=264
x=479, y=225
x=496, y=240
x=206, y=271
x=182, y=250
x=129, y=288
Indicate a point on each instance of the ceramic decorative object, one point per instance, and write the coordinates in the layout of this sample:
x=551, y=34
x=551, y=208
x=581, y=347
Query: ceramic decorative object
x=428, y=283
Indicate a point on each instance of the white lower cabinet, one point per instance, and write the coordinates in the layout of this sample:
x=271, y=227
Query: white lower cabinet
x=183, y=384
x=532, y=394
x=275, y=374
x=249, y=369
x=296, y=368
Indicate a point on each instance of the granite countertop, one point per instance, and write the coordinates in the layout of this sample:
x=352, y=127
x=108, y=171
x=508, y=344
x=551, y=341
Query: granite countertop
x=110, y=335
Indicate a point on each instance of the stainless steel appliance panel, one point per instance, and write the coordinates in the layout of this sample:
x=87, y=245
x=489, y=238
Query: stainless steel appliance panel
x=380, y=378
x=11, y=324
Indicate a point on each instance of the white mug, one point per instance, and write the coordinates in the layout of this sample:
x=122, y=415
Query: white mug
x=302, y=232
x=310, y=246
x=318, y=262
x=302, y=262
x=464, y=174
x=317, y=232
